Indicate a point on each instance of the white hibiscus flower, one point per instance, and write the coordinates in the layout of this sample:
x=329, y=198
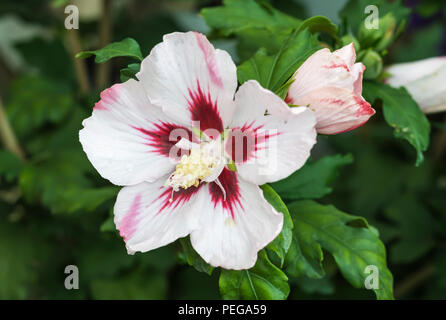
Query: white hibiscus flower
x=172, y=139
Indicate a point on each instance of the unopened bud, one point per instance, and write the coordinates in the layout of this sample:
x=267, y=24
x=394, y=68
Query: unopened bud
x=373, y=63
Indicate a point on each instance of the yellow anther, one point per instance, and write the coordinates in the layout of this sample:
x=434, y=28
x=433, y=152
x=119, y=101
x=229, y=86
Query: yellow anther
x=192, y=169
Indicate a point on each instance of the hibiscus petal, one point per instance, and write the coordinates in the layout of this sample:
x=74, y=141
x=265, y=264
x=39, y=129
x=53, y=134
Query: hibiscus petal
x=429, y=91
x=357, y=73
x=403, y=73
x=270, y=147
x=325, y=68
x=233, y=228
x=191, y=80
x=337, y=110
x=424, y=79
x=127, y=139
x=347, y=53
x=147, y=219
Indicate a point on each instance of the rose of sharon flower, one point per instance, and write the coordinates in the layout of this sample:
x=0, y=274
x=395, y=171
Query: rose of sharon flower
x=424, y=79
x=172, y=138
x=330, y=83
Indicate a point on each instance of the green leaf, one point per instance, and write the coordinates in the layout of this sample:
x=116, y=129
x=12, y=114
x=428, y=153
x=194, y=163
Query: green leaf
x=272, y=38
x=250, y=40
x=130, y=71
x=273, y=71
x=282, y=242
x=193, y=258
x=256, y=68
x=264, y=26
x=304, y=258
x=264, y=281
x=403, y=114
x=313, y=180
x=125, y=48
x=320, y=24
x=322, y=286
x=235, y=16
x=353, y=244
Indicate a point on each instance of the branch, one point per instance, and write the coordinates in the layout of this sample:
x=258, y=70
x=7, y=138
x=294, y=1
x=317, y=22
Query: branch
x=414, y=280
x=105, y=37
x=74, y=46
x=7, y=136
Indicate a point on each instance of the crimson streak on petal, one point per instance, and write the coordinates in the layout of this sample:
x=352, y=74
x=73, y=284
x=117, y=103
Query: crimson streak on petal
x=162, y=138
x=243, y=143
x=180, y=197
x=334, y=66
x=204, y=110
x=229, y=182
x=365, y=108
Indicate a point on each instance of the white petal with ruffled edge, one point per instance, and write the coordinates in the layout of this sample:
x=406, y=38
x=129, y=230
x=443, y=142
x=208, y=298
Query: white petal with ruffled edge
x=147, y=220
x=231, y=238
x=403, y=73
x=424, y=79
x=276, y=144
x=127, y=139
x=430, y=91
x=188, y=78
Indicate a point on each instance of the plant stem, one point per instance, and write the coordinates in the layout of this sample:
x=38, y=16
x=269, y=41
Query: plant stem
x=414, y=280
x=74, y=46
x=105, y=37
x=7, y=136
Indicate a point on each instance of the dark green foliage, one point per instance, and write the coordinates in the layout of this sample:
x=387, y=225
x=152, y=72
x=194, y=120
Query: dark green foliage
x=313, y=180
x=273, y=71
x=42, y=102
x=263, y=281
x=403, y=114
x=130, y=71
x=233, y=18
x=282, y=243
x=353, y=244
